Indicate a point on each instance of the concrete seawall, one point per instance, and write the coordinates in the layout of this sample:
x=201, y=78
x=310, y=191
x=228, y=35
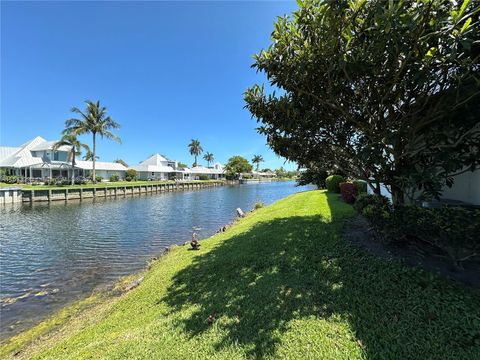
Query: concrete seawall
x=65, y=194
x=10, y=195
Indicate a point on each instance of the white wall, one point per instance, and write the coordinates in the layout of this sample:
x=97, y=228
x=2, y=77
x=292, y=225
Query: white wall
x=466, y=188
x=144, y=175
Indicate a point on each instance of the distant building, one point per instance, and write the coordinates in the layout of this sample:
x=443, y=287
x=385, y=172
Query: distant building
x=158, y=167
x=264, y=174
x=36, y=159
x=216, y=172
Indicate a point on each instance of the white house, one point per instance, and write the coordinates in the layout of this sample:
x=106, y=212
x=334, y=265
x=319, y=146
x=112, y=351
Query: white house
x=264, y=174
x=36, y=159
x=216, y=172
x=158, y=167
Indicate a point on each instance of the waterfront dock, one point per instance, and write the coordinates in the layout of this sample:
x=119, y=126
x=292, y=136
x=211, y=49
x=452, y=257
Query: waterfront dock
x=87, y=192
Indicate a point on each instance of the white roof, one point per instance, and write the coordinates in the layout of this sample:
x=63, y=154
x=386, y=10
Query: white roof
x=19, y=157
x=48, y=145
x=155, y=163
x=155, y=159
x=99, y=165
x=23, y=156
x=204, y=170
x=218, y=166
x=7, y=151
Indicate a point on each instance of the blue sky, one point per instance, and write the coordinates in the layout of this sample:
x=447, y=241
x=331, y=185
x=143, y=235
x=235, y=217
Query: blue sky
x=167, y=72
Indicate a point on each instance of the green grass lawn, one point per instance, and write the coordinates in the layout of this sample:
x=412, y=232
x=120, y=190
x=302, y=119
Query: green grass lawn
x=282, y=284
x=97, y=185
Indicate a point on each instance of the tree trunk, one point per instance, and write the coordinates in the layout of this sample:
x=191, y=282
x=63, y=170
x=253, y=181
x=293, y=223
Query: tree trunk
x=94, y=178
x=398, y=196
x=73, y=165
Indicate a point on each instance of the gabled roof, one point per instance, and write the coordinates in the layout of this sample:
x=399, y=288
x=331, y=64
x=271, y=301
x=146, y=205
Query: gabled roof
x=23, y=157
x=48, y=145
x=155, y=159
x=99, y=165
x=7, y=151
x=155, y=163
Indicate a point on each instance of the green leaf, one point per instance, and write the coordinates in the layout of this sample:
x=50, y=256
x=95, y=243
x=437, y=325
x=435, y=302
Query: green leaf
x=465, y=25
x=462, y=8
x=431, y=52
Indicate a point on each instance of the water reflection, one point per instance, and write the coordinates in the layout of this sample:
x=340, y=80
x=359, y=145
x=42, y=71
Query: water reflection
x=51, y=254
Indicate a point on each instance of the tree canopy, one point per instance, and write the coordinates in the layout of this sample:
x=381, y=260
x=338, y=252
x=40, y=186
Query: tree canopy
x=383, y=91
x=195, y=149
x=93, y=120
x=257, y=159
x=237, y=165
x=208, y=157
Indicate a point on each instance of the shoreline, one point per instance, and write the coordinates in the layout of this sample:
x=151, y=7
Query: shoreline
x=283, y=271
x=110, y=290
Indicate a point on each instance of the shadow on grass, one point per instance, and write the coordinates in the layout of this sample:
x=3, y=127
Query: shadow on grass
x=291, y=268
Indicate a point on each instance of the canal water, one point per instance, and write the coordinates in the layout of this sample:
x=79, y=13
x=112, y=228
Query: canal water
x=53, y=254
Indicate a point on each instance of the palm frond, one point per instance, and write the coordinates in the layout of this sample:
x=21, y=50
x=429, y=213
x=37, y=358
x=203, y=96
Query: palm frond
x=111, y=136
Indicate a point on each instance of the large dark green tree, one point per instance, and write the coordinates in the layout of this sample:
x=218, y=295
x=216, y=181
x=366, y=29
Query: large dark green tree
x=95, y=121
x=237, y=165
x=387, y=91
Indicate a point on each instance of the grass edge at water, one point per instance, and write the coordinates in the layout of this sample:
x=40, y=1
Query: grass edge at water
x=279, y=281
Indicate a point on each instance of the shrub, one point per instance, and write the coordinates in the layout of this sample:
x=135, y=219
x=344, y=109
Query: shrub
x=202, y=177
x=131, y=175
x=259, y=205
x=363, y=200
x=12, y=179
x=453, y=230
x=247, y=176
x=98, y=178
x=80, y=180
x=348, y=192
x=361, y=186
x=114, y=177
x=333, y=183
x=379, y=216
x=313, y=176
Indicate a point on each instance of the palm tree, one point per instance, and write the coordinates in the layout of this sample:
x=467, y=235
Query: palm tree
x=75, y=149
x=208, y=157
x=257, y=159
x=89, y=156
x=94, y=120
x=195, y=149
